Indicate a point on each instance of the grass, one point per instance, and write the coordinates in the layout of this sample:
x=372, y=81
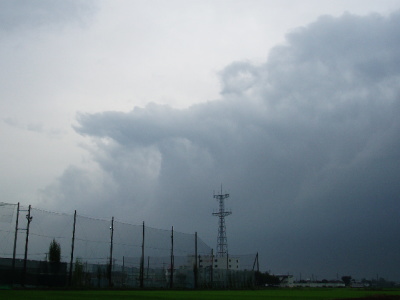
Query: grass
x=313, y=294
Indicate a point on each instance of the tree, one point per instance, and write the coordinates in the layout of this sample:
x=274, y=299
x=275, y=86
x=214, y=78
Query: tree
x=54, y=252
x=346, y=280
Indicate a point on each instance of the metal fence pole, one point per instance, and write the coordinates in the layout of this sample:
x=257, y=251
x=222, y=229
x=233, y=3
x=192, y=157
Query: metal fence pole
x=172, y=259
x=123, y=271
x=212, y=268
x=111, y=253
x=141, y=274
x=29, y=220
x=72, y=251
x=195, y=269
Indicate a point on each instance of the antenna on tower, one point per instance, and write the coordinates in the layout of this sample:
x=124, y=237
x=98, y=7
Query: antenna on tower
x=222, y=245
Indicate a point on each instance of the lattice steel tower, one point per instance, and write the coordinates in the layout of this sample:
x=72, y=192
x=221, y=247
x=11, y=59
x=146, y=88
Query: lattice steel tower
x=222, y=246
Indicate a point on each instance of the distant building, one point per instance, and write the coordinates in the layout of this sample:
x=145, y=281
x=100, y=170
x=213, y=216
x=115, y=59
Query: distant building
x=286, y=280
x=220, y=262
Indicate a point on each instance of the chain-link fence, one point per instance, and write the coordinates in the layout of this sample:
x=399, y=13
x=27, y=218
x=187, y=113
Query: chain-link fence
x=100, y=253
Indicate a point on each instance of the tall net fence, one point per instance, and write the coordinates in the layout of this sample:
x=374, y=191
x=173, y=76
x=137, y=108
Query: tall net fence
x=108, y=253
x=7, y=228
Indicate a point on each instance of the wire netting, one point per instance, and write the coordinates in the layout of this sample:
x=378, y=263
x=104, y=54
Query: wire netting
x=7, y=228
x=100, y=253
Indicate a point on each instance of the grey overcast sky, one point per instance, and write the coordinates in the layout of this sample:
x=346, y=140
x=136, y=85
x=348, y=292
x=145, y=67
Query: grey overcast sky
x=141, y=109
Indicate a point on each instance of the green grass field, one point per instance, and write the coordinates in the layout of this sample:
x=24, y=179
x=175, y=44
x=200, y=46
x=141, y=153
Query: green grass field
x=312, y=294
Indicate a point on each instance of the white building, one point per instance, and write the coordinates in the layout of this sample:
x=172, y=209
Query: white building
x=219, y=262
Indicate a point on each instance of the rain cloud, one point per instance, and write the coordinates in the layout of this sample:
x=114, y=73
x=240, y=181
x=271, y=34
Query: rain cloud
x=307, y=144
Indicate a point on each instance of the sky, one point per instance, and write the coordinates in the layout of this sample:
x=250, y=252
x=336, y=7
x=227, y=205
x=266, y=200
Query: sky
x=143, y=109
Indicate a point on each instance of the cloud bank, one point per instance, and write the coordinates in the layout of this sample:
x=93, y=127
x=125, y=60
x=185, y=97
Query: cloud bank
x=306, y=143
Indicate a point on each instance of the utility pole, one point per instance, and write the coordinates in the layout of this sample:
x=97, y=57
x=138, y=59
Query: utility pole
x=29, y=220
x=222, y=245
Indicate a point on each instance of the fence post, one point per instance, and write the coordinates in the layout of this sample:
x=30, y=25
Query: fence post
x=15, y=246
x=172, y=259
x=256, y=262
x=212, y=268
x=111, y=252
x=71, y=262
x=195, y=269
x=29, y=220
x=258, y=265
x=141, y=274
x=123, y=271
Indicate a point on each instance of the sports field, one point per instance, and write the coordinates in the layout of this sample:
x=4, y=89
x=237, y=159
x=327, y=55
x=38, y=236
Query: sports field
x=194, y=295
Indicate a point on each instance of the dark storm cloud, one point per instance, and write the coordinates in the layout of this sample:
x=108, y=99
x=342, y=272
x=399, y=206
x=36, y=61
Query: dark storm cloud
x=307, y=144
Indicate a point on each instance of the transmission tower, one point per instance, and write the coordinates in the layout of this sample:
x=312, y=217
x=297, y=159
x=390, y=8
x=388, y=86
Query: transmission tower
x=222, y=246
